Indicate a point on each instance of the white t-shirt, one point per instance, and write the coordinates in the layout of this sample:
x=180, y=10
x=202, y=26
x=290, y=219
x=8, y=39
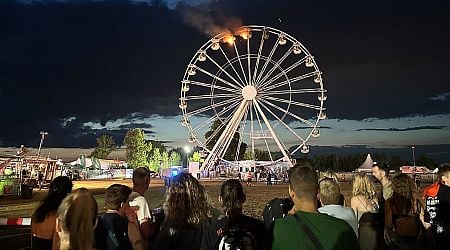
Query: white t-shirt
x=140, y=205
x=343, y=213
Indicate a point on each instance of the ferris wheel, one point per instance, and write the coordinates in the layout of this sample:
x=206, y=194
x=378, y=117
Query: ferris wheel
x=254, y=86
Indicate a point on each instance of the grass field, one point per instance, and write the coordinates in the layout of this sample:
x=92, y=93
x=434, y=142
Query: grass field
x=257, y=196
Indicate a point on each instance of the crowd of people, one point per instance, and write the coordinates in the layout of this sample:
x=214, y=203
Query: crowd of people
x=318, y=217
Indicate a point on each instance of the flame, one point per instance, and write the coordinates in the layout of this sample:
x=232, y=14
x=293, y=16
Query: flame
x=245, y=33
x=229, y=39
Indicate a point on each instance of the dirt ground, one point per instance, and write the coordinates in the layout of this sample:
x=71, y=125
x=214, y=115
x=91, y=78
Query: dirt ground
x=18, y=237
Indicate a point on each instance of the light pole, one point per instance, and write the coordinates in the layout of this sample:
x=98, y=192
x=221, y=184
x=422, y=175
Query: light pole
x=414, y=158
x=43, y=134
x=187, y=149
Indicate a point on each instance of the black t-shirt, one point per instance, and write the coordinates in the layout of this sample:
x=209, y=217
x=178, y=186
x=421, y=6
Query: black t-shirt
x=112, y=232
x=189, y=237
x=444, y=204
x=251, y=225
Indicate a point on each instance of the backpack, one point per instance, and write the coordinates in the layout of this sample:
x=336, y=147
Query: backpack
x=237, y=238
x=275, y=209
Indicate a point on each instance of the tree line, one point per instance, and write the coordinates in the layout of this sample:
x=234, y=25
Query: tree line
x=155, y=156
x=139, y=151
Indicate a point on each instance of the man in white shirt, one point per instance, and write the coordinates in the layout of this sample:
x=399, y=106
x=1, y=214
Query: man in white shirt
x=137, y=201
x=329, y=194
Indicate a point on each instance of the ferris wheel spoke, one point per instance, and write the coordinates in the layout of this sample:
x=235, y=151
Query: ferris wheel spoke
x=290, y=91
x=241, y=133
x=232, y=66
x=240, y=63
x=269, y=58
x=261, y=44
x=251, y=129
x=289, y=113
x=262, y=132
x=290, y=102
x=201, y=97
x=286, y=82
x=248, y=63
x=225, y=138
x=204, y=109
x=209, y=85
x=219, y=78
x=211, y=119
x=224, y=71
x=284, y=72
x=218, y=129
x=276, y=65
x=282, y=122
x=280, y=145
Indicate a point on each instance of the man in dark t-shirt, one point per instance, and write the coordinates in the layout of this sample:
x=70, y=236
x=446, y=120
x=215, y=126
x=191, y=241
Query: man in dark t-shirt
x=437, y=207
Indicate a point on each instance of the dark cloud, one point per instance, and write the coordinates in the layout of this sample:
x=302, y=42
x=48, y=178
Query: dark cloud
x=406, y=129
x=135, y=125
x=103, y=60
x=321, y=127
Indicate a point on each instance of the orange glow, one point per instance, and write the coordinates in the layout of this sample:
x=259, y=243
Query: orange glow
x=229, y=39
x=244, y=33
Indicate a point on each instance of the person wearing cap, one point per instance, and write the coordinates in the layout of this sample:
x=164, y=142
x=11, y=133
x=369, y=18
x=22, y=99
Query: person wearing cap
x=381, y=172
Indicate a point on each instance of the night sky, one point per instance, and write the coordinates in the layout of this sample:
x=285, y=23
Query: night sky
x=81, y=68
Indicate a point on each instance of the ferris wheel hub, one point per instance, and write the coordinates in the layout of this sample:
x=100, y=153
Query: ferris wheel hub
x=249, y=92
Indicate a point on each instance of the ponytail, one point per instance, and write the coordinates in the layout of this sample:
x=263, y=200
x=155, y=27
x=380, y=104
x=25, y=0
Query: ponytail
x=233, y=197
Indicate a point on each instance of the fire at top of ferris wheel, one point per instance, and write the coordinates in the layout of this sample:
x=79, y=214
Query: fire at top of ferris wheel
x=260, y=86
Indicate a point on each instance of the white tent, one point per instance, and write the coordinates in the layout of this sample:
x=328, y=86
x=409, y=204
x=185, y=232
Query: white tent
x=367, y=165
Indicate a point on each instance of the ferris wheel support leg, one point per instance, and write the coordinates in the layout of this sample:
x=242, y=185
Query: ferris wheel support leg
x=225, y=138
x=274, y=136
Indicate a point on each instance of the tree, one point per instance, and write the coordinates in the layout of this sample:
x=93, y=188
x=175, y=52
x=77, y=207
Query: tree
x=157, y=144
x=260, y=155
x=195, y=157
x=212, y=136
x=137, y=149
x=165, y=160
x=174, y=158
x=155, y=160
x=105, y=145
x=426, y=161
x=396, y=162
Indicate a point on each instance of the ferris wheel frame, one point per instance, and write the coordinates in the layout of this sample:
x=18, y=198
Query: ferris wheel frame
x=251, y=86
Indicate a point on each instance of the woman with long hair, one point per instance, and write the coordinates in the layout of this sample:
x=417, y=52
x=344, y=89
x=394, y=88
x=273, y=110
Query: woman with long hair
x=364, y=203
x=232, y=197
x=43, y=233
x=76, y=220
x=186, y=212
x=402, y=212
x=364, y=197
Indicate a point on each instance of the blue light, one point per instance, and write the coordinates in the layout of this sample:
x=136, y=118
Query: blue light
x=174, y=172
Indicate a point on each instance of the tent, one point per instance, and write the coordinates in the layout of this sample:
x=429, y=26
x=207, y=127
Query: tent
x=367, y=165
x=96, y=163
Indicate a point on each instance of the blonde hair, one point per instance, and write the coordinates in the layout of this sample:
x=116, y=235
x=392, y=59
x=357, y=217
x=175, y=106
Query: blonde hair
x=330, y=174
x=77, y=217
x=329, y=191
x=363, y=186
